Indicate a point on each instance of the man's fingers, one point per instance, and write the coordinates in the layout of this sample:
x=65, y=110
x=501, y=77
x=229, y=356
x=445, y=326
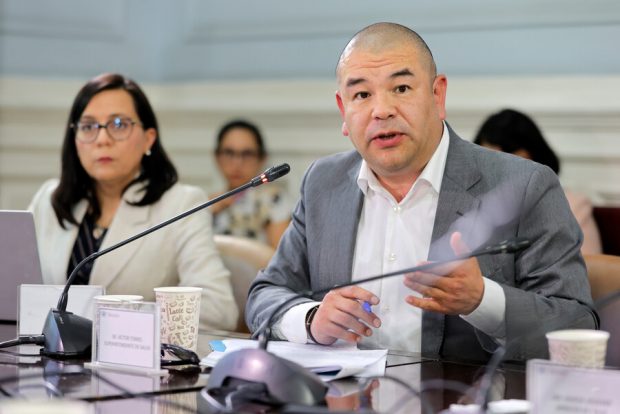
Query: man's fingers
x=425, y=290
x=351, y=301
x=336, y=331
x=458, y=244
x=356, y=309
x=428, y=304
x=358, y=293
x=347, y=321
x=342, y=316
x=428, y=279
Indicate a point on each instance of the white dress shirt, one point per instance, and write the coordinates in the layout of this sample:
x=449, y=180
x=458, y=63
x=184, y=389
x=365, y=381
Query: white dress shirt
x=395, y=235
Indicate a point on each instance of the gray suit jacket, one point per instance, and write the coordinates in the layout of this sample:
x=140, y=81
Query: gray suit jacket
x=489, y=197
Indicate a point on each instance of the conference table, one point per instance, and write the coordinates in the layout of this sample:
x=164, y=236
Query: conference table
x=26, y=374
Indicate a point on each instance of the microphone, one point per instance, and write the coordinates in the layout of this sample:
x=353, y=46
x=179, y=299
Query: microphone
x=483, y=395
x=66, y=335
x=271, y=174
x=507, y=246
x=557, y=322
x=259, y=374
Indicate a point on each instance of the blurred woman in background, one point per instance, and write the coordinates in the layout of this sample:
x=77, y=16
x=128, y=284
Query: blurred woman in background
x=514, y=132
x=261, y=213
x=116, y=181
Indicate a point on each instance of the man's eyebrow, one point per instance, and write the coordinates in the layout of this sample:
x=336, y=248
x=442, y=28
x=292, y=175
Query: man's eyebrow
x=354, y=81
x=402, y=72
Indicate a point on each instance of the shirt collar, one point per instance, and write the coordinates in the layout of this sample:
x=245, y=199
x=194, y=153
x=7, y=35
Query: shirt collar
x=432, y=173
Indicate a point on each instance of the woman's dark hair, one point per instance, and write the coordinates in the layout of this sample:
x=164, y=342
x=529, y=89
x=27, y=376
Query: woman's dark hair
x=511, y=131
x=242, y=124
x=157, y=173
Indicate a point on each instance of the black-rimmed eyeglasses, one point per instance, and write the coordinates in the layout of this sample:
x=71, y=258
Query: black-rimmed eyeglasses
x=172, y=355
x=119, y=129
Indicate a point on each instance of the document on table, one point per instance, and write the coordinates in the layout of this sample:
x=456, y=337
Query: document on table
x=339, y=360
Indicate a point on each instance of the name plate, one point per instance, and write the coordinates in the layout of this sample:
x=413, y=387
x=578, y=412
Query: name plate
x=127, y=338
x=555, y=388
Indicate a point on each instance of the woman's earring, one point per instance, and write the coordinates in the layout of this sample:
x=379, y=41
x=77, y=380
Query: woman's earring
x=148, y=152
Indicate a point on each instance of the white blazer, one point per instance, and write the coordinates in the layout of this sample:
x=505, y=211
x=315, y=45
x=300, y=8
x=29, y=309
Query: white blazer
x=181, y=254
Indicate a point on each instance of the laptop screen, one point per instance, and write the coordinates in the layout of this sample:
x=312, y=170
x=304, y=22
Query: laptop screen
x=19, y=259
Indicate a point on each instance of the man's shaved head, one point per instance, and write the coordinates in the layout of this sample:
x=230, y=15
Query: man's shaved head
x=382, y=36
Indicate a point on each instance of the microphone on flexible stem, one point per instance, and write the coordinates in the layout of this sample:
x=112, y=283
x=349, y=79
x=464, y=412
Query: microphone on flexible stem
x=557, y=322
x=67, y=335
x=266, y=377
x=483, y=395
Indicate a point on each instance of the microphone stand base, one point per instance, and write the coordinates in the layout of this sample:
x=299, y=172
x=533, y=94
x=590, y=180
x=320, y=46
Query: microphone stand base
x=67, y=335
x=255, y=376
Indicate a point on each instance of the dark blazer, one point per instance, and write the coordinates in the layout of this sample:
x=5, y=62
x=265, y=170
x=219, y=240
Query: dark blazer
x=486, y=195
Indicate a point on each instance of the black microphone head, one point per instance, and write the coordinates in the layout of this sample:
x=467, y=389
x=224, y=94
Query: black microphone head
x=507, y=246
x=277, y=171
x=271, y=174
x=516, y=245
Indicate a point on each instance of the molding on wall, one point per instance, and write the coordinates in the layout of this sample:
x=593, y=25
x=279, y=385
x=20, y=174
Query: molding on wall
x=595, y=95
x=580, y=116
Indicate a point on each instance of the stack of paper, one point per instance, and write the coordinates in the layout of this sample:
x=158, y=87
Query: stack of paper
x=339, y=360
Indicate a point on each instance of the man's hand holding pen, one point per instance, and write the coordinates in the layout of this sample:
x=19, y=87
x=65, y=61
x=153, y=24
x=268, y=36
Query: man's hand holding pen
x=346, y=314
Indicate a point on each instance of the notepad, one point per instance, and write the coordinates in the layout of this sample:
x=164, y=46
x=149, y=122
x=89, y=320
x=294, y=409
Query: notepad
x=336, y=361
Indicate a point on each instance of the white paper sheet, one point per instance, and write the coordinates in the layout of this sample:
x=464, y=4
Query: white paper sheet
x=339, y=360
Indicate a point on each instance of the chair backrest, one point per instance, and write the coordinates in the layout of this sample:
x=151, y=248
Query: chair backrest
x=608, y=223
x=244, y=258
x=604, y=276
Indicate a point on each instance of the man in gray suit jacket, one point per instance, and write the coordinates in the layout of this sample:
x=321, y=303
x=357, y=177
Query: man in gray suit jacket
x=414, y=191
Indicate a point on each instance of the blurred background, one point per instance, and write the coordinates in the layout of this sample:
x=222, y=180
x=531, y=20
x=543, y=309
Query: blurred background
x=272, y=61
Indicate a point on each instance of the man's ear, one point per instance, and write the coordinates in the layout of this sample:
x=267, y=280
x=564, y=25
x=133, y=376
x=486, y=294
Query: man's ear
x=345, y=129
x=340, y=104
x=440, y=86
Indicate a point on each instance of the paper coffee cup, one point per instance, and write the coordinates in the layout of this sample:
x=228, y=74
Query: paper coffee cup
x=180, y=313
x=118, y=301
x=49, y=406
x=578, y=347
x=509, y=407
x=118, y=298
x=464, y=409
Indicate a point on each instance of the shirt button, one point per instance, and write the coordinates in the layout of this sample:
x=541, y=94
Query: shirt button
x=396, y=209
x=392, y=257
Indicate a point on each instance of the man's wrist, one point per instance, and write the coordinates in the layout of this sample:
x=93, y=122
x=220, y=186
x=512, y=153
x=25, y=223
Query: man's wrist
x=309, y=318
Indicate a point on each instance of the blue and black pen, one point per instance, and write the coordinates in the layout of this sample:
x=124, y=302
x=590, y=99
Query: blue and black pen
x=367, y=306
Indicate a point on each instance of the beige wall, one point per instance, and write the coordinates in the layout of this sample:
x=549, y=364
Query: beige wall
x=580, y=116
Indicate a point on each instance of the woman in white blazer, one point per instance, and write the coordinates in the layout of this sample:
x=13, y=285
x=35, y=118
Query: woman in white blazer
x=116, y=181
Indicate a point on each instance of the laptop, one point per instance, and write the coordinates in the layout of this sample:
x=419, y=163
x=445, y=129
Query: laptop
x=19, y=259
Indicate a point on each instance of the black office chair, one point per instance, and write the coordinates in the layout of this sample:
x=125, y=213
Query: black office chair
x=604, y=276
x=608, y=223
